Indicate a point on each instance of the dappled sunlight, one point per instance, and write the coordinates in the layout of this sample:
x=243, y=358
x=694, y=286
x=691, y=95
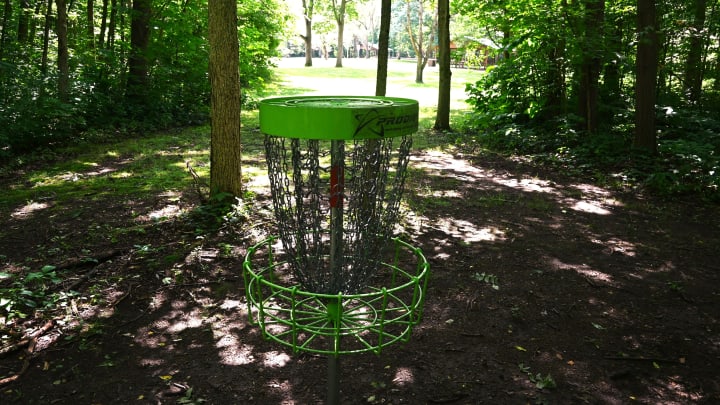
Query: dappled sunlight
x=275, y=359
x=590, y=274
x=403, y=376
x=29, y=209
x=468, y=232
x=526, y=184
x=590, y=207
x=616, y=245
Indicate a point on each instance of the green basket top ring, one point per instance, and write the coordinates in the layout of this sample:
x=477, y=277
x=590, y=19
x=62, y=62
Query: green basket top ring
x=338, y=117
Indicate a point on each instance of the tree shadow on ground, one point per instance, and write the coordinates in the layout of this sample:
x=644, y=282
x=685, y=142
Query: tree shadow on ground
x=543, y=290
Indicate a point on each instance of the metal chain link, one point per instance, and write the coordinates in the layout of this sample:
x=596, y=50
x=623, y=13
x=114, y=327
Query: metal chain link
x=374, y=173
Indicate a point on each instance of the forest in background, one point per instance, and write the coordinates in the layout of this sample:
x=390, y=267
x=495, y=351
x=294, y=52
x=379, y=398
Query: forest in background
x=625, y=92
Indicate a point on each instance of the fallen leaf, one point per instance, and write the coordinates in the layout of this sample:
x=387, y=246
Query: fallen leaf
x=46, y=366
x=682, y=360
x=166, y=377
x=570, y=363
x=522, y=349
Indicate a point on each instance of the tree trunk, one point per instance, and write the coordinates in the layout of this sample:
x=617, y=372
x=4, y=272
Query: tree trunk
x=62, y=52
x=442, y=120
x=383, y=45
x=694, y=63
x=103, y=24
x=591, y=63
x=646, y=76
x=307, y=16
x=90, y=21
x=339, y=56
x=7, y=14
x=24, y=22
x=339, y=10
x=225, y=144
x=112, y=24
x=138, y=66
x=46, y=37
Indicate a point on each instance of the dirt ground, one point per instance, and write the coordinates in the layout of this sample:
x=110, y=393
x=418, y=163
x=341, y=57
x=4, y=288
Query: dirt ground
x=544, y=290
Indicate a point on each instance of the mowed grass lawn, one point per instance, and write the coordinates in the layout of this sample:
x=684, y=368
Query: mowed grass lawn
x=357, y=78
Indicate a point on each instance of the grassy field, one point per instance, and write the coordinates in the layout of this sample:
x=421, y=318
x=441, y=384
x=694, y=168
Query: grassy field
x=357, y=78
x=158, y=162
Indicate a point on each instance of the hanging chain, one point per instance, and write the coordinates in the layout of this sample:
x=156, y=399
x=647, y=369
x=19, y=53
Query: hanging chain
x=373, y=177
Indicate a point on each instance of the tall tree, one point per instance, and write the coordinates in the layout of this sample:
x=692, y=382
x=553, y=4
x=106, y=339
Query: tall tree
x=442, y=120
x=308, y=8
x=138, y=63
x=339, y=8
x=592, y=52
x=225, y=145
x=694, y=63
x=63, y=54
x=383, y=47
x=421, y=45
x=646, y=76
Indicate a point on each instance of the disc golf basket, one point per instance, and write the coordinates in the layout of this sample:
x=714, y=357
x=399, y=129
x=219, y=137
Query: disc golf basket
x=334, y=280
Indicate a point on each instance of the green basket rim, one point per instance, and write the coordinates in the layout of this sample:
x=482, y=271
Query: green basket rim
x=292, y=309
x=338, y=117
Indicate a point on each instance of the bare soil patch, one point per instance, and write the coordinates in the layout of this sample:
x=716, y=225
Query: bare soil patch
x=544, y=289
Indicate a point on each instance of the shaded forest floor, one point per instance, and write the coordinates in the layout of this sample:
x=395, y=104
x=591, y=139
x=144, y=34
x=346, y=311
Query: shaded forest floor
x=544, y=290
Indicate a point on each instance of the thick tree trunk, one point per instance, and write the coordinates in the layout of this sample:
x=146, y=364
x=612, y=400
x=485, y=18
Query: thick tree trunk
x=442, y=120
x=591, y=64
x=694, y=64
x=383, y=45
x=646, y=76
x=63, y=56
x=225, y=144
x=138, y=66
x=23, y=22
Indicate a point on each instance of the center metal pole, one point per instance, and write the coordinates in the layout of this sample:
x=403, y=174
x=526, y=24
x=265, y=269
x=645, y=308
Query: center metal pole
x=337, y=189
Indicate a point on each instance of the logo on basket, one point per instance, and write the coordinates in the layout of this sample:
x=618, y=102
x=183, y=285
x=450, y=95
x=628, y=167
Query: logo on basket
x=374, y=123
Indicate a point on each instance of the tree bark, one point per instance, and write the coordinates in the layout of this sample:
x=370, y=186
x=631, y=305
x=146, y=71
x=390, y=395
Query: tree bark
x=339, y=11
x=442, y=120
x=7, y=13
x=46, y=37
x=138, y=66
x=24, y=22
x=225, y=143
x=63, y=56
x=308, y=6
x=383, y=45
x=90, y=21
x=694, y=63
x=646, y=76
x=591, y=63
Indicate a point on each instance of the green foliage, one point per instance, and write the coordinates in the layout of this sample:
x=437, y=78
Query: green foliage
x=20, y=296
x=32, y=115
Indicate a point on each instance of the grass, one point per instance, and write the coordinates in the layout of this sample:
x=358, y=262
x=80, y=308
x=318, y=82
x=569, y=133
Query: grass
x=157, y=162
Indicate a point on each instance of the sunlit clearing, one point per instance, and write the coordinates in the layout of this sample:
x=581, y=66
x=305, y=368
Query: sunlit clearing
x=275, y=359
x=168, y=211
x=28, y=209
x=584, y=270
x=403, y=376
